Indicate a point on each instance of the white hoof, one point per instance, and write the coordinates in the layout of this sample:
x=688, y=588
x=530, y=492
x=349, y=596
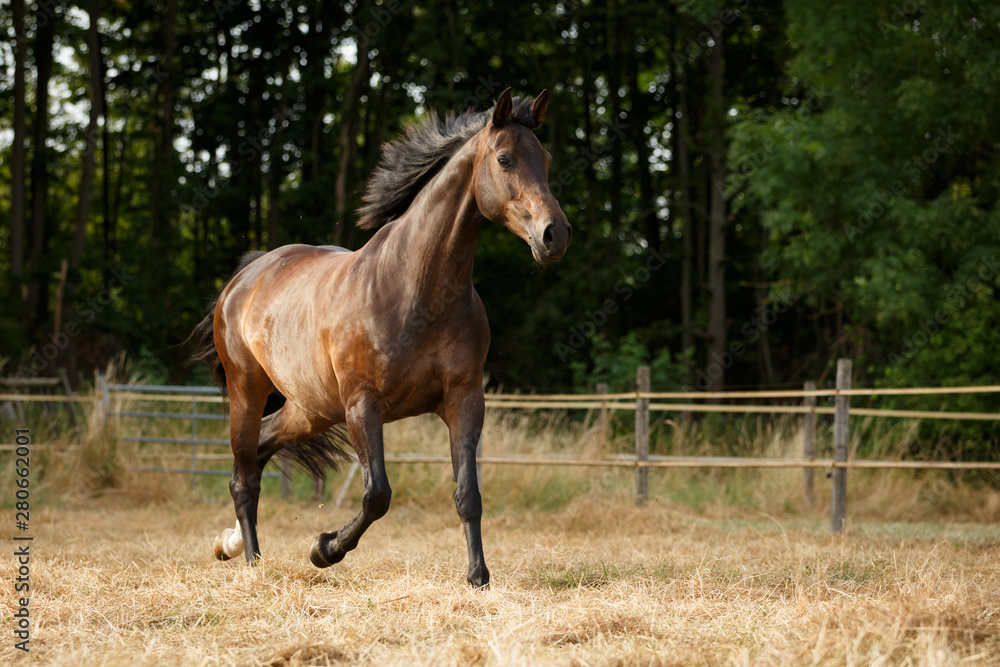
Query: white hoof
x=230, y=543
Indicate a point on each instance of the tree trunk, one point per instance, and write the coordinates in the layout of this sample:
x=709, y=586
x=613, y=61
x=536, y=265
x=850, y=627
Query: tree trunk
x=38, y=285
x=257, y=240
x=717, y=221
x=111, y=229
x=614, y=127
x=106, y=231
x=762, y=294
x=639, y=117
x=687, y=211
x=589, y=173
x=275, y=176
x=17, y=158
x=96, y=109
x=349, y=129
x=163, y=146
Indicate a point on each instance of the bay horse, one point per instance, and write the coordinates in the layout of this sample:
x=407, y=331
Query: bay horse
x=306, y=338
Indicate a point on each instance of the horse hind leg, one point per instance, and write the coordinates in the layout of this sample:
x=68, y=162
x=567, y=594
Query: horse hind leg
x=247, y=396
x=288, y=426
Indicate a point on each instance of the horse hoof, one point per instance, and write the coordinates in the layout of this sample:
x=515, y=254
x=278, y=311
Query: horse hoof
x=220, y=552
x=480, y=580
x=320, y=553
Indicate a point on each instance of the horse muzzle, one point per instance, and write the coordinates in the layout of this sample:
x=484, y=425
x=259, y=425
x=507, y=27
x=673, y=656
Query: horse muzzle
x=553, y=243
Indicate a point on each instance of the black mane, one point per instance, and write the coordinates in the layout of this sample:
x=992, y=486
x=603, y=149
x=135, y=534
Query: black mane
x=410, y=162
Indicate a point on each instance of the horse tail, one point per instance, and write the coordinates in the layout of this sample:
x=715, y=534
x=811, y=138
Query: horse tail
x=316, y=455
x=324, y=451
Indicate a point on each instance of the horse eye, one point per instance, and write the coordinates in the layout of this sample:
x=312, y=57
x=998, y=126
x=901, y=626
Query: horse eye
x=504, y=161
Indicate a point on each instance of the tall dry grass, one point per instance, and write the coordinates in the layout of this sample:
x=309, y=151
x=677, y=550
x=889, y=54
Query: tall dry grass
x=94, y=460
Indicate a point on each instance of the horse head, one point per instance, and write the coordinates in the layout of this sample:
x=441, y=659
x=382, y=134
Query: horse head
x=511, y=179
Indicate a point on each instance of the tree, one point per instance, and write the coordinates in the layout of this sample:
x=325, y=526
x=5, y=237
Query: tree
x=46, y=17
x=95, y=71
x=878, y=191
x=18, y=152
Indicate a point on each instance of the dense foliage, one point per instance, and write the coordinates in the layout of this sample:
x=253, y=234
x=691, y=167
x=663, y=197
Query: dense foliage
x=756, y=188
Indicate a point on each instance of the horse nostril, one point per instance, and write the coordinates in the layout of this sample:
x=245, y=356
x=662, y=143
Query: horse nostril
x=547, y=237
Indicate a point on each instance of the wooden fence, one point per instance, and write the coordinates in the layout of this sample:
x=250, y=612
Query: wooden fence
x=642, y=401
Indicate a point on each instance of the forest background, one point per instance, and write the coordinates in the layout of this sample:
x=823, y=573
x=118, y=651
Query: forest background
x=756, y=188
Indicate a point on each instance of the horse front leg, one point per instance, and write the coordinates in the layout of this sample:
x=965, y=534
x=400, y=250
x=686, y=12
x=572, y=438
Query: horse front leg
x=364, y=424
x=464, y=418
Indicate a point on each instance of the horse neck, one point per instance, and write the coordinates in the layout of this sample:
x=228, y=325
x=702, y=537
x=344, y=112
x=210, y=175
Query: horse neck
x=440, y=229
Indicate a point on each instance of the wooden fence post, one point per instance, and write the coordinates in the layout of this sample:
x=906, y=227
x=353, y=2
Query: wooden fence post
x=602, y=421
x=641, y=435
x=809, y=444
x=841, y=436
x=102, y=400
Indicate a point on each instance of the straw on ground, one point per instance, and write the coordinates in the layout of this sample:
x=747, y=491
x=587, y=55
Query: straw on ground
x=594, y=583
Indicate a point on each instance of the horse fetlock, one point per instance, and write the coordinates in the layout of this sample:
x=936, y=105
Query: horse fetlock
x=326, y=551
x=376, y=502
x=219, y=549
x=479, y=577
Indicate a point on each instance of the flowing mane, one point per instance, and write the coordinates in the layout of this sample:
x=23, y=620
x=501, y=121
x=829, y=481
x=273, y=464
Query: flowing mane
x=408, y=163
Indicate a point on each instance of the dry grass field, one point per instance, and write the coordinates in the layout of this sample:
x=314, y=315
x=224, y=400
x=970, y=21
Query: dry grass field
x=595, y=583
x=723, y=567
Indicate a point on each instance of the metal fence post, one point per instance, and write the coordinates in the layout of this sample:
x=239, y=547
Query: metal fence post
x=641, y=435
x=809, y=443
x=841, y=436
x=194, y=443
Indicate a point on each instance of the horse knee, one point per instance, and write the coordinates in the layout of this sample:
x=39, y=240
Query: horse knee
x=376, y=501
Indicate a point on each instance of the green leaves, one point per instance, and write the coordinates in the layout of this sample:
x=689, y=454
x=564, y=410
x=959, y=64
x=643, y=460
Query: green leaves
x=872, y=202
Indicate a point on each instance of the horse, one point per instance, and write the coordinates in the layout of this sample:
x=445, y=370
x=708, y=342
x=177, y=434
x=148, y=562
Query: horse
x=307, y=339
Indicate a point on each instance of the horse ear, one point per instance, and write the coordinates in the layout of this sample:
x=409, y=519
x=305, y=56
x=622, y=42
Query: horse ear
x=539, y=107
x=502, y=109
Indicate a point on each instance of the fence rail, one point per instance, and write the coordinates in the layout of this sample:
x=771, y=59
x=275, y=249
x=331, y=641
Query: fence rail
x=642, y=401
